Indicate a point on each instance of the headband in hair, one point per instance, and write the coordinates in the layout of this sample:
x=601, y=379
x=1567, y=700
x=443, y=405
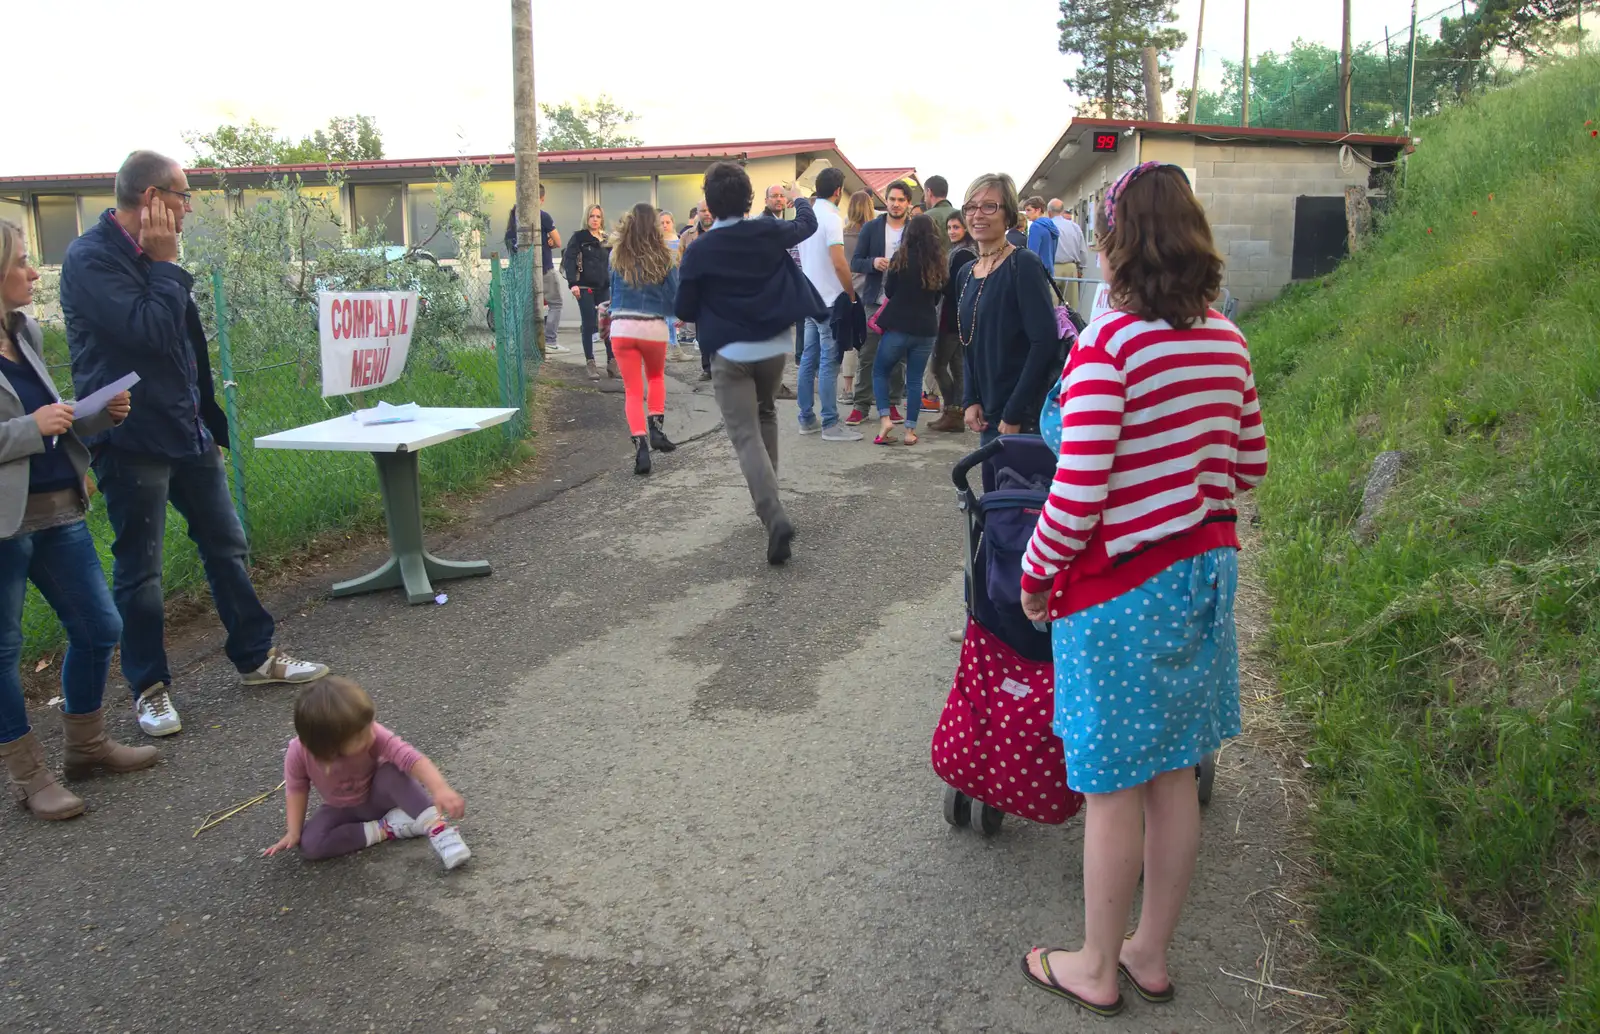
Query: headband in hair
x=1115, y=193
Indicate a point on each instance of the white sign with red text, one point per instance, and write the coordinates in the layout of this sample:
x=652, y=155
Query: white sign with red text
x=366, y=336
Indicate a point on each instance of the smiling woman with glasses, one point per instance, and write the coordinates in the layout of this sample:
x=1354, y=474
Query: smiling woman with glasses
x=1005, y=318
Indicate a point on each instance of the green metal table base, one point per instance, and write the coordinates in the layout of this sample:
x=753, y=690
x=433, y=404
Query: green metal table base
x=409, y=566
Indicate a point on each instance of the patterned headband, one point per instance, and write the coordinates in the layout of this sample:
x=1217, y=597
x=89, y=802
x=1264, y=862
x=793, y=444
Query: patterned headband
x=1115, y=193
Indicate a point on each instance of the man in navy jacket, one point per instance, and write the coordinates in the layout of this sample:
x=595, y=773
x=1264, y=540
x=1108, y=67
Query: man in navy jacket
x=128, y=309
x=742, y=289
x=874, y=248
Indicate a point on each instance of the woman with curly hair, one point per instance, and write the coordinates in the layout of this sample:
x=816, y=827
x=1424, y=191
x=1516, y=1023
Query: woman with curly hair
x=913, y=286
x=644, y=285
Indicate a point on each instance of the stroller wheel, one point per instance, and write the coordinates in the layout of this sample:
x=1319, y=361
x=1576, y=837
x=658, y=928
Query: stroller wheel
x=957, y=807
x=989, y=820
x=1206, y=774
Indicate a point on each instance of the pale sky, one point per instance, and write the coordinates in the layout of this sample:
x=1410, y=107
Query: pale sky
x=963, y=88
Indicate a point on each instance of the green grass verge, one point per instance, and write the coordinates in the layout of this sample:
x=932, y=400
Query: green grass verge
x=292, y=496
x=1450, y=668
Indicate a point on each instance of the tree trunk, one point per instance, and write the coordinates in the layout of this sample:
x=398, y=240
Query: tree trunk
x=527, y=151
x=1244, y=112
x=1152, y=85
x=1114, y=10
x=1194, y=89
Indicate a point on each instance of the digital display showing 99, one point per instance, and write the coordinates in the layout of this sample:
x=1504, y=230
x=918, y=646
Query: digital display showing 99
x=1105, y=143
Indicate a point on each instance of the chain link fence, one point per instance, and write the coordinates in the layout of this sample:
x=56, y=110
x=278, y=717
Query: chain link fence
x=269, y=379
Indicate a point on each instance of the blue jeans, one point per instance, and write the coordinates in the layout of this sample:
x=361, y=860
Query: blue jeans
x=820, y=351
x=916, y=351
x=136, y=490
x=63, y=563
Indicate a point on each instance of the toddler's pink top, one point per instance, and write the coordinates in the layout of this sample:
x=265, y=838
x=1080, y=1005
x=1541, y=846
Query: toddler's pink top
x=346, y=781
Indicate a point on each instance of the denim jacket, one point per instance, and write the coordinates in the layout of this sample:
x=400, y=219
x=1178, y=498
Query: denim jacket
x=644, y=300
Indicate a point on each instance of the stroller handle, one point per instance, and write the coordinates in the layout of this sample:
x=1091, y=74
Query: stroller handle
x=963, y=467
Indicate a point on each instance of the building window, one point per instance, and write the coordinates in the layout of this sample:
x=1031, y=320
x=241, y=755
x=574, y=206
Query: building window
x=678, y=194
x=620, y=193
x=563, y=199
x=91, y=205
x=425, y=223
x=378, y=205
x=57, y=219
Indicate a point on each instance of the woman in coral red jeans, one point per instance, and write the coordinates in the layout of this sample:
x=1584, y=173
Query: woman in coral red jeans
x=644, y=286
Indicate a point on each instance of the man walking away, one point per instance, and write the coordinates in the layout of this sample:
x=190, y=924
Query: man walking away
x=552, y=283
x=739, y=285
x=128, y=309
x=1042, y=233
x=876, y=246
x=823, y=261
x=1072, y=256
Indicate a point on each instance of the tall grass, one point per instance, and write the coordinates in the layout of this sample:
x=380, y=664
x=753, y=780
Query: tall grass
x=1451, y=666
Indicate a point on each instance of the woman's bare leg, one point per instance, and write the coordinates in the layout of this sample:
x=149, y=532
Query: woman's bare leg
x=1171, y=845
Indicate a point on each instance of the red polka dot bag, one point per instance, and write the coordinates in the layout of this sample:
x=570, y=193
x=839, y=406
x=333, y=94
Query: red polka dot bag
x=994, y=741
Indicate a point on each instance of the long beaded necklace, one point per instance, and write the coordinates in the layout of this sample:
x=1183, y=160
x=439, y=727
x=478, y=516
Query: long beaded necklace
x=972, y=327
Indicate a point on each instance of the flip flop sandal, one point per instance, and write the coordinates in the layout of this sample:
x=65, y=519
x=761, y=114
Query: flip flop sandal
x=886, y=439
x=1158, y=997
x=912, y=439
x=1050, y=985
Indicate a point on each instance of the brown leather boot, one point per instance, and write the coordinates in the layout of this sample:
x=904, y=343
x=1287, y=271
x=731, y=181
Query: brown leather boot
x=89, y=748
x=35, y=787
x=950, y=420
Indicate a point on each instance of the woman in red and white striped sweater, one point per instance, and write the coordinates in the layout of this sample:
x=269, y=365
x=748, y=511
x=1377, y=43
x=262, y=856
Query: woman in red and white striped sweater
x=1134, y=562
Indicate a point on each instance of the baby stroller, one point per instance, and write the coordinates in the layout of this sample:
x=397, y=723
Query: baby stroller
x=995, y=747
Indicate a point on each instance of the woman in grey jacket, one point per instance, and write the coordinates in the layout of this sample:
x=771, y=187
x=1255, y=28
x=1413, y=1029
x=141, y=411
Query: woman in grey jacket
x=43, y=539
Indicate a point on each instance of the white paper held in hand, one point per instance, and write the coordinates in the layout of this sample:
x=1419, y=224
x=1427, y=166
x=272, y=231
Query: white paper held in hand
x=96, y=401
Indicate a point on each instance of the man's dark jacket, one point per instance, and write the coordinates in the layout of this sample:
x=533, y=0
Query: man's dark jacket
x=872, y=244
x=127, y=314
x=738, y=282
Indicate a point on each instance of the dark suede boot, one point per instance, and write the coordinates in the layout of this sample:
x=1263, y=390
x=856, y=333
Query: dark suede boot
x=658, y=437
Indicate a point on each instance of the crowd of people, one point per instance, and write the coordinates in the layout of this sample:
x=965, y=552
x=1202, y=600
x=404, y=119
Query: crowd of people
x=1151, y=410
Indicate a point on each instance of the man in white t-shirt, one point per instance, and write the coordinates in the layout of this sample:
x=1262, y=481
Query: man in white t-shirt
x=823, y=261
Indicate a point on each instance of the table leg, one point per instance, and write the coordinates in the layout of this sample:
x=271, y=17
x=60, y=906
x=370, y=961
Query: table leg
x=409, y=566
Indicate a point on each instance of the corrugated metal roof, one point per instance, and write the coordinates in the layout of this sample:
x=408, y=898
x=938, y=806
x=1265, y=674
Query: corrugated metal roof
x=878, y=179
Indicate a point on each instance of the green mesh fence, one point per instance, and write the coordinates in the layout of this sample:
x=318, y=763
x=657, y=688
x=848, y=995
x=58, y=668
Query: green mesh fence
x=287, y=497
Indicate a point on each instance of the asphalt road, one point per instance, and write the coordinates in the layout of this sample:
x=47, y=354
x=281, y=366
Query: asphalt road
x=698, y=789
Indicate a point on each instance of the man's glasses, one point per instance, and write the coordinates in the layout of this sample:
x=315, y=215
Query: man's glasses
x=987, y=208
x=181, y=193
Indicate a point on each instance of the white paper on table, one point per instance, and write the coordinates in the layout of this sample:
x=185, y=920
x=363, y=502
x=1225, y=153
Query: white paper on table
x=446, y=424
x=94, y=402
x=383, y=413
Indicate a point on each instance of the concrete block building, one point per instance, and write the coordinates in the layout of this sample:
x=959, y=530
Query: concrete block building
x=1275, y=197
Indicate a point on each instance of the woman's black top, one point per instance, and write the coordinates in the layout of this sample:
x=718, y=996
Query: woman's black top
x=587, y=263
x=1014, y=353
x=960, y=255
x=912, y=308
x=50, y=470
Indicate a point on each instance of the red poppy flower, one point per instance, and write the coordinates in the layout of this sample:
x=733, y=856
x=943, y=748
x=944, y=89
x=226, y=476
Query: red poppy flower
x=1474, y=211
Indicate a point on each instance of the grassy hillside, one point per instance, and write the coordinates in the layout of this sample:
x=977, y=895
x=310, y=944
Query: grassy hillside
x=1452, y=667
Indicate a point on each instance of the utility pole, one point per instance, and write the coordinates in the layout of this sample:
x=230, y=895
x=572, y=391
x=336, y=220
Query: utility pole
x=526, y=144
x=1244, y=113
x=1411, y=74
x=1194, y=90
x=1344, y=74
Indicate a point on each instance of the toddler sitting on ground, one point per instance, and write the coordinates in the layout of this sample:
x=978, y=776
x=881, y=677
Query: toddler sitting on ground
x=368, y=779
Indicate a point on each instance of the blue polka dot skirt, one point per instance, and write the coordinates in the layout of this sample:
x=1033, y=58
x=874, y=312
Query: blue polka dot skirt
x=1149, y=682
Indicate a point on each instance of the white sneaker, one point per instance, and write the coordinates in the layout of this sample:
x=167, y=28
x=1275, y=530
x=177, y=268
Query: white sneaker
x=405, y=827
x=281, y=668
x=840, y=433
x=447, y=842
x=552, y=348
x=157, y=716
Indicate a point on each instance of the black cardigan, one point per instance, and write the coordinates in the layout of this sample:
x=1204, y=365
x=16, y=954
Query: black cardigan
x=739, y=283
x=587, y=262
x=912, y=309
x=1014, y=353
